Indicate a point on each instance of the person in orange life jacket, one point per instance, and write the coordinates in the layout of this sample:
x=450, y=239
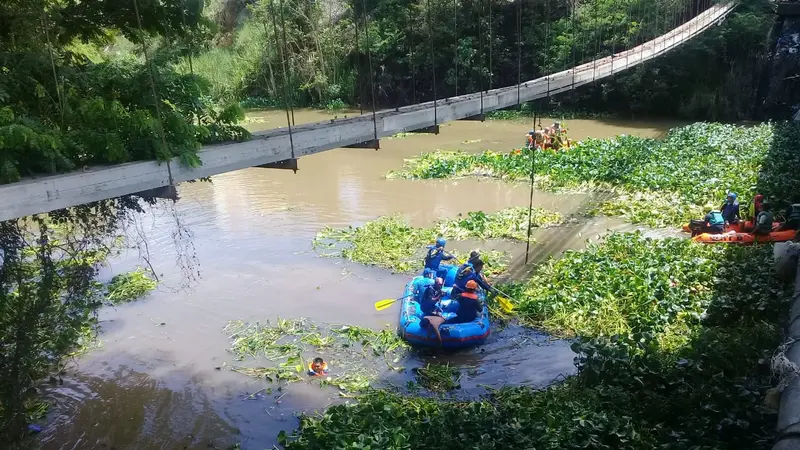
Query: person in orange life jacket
x=468, y=304
x=318, y=367
x=436, y=255
x=431, y=297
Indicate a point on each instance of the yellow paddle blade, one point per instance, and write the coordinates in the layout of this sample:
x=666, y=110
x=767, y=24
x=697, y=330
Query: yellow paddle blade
x=505, y=304
x=385, y=303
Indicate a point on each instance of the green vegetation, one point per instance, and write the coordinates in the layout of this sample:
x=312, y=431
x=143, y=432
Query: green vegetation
x=65, y=104
x=291, y=344
x=391, y=243
x=438, y=377
x=60, y=111
x=657, y=183
x=670, y=333
x=131, y=286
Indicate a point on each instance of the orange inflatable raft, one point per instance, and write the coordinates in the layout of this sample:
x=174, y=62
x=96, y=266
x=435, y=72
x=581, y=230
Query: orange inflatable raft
x=732, y=237
x=741, y=227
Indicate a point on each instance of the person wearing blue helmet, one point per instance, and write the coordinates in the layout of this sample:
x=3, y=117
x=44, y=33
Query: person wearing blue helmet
x=730, y=209
x=436, y=255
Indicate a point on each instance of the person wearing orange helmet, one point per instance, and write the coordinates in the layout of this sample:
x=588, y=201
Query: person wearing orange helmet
x=469, y=306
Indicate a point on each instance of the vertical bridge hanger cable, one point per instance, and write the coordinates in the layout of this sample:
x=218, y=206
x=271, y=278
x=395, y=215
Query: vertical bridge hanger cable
x=411, y=61
x=519, y=53
x=358, y=83
x=282, y=51
x=286, y=56
x=433, y=64
x=156, y=98
x=371, y=73
x=455, y=43
x=481, y=67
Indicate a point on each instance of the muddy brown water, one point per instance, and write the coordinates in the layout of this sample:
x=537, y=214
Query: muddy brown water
x=153, y=383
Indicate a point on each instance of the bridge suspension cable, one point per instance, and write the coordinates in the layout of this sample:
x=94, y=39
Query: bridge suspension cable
x=433, y=65
x=281, y=41
x=371, y=72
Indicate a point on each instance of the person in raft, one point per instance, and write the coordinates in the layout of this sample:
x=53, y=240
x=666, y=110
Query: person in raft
x=755, y=207
x=436, y=255
x=468, y=304
x=763, y=224
x=318, y=367
x=730, y=209
x=470, y=271
x=714, y=222
x=431, y=297
x=792, y=218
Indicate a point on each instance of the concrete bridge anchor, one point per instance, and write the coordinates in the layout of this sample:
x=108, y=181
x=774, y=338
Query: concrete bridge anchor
x=286, y=164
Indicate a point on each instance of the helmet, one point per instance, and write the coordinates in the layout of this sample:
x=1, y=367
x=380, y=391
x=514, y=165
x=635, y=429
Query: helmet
x=441, y=242
x=439, y=281
x=428, y=273
x=472, y=284
x=732, y=195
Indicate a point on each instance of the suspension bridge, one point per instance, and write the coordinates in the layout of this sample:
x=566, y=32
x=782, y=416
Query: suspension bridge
x=282, y=147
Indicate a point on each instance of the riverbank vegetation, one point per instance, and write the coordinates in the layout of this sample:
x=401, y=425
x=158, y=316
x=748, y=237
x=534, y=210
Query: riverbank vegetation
x=656, y=182
x=319, y=58
x=66, y=104
x=689, y=328
x=390, y=242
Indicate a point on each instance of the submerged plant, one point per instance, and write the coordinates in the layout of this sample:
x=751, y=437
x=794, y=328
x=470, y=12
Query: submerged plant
x=392, y=243
x=127, y=287
x=289, y=344
x=438, y=377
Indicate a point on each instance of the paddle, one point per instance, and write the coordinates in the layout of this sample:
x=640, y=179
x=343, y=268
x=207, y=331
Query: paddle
x=387, y=302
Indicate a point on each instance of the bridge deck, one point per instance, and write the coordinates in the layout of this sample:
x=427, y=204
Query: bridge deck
x=48, y=193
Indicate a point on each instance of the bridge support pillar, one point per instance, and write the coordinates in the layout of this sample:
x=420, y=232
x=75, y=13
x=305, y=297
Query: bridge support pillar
x=477, y=117
x=286, y=164
x=372, y=143
x=433, y=129
x=166, y=192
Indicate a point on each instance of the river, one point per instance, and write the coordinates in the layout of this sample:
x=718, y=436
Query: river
x=240, y=248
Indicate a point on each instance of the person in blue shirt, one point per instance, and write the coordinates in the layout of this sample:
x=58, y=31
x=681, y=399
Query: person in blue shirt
x=436, y=255
x=470, y=271
x=730, y=209
x=431, y=297
x=714, y=222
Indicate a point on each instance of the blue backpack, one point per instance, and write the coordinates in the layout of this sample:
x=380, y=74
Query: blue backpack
x=716, y=219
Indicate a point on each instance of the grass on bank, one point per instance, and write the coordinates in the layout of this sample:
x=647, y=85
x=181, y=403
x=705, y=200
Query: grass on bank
x=657, y=182
x=390, y=242
x=674, y=346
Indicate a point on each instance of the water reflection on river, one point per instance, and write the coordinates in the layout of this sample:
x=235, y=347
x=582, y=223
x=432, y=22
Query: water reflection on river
x=154, y=383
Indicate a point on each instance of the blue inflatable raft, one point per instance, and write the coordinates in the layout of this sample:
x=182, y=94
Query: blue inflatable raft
x=458, y=335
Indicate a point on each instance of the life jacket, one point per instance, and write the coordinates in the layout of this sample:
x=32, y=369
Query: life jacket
x=313, y=372
x=434, y=258
x=794, y=212
x=716, y=219
x=469, y=293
